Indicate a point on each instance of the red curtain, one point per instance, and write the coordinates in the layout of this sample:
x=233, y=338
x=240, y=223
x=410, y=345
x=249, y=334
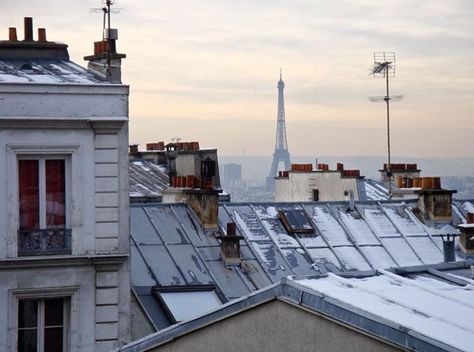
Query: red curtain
x=55, y=194
x=29, y=194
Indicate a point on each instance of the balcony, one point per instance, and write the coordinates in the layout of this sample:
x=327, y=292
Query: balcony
x=44, y=242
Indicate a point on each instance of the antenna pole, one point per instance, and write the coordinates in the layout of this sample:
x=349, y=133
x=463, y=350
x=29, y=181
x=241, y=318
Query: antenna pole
x=389, y=167
x=109, y=43
x=104, y=10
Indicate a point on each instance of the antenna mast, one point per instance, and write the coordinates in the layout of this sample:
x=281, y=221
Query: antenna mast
x=106, y=29
x=384, y=66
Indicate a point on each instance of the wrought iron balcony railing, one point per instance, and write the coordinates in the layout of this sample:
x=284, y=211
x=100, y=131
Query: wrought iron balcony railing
x=44, y=242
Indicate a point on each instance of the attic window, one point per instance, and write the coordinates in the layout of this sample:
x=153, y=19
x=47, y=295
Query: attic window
x=295, y=221
x=26, y=67
x=187, y=302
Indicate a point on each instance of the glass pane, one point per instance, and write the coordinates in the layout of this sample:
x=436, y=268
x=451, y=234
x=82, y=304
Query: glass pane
x=53, y=312
x=53, y=339
x=27, y=313
x=27, y=340
x=55, y=194
x=28, y=180
x=186, y=305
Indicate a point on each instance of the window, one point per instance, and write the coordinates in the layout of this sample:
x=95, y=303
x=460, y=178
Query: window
x=42, y=206
x=187, y=302
x=295, y=221
x=316, y=195
x=42, y=188
x=42, y=325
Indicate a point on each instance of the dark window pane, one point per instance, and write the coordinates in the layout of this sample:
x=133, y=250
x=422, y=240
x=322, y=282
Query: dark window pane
x=28, y=194
x=53, y=312
x=55, y=194
x=295, y=221
x=27, y=313
x=27, y=340
x=53, y=339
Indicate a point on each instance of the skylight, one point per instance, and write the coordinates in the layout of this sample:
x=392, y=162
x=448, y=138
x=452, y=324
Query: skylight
x=188, y=302
x=295, y=221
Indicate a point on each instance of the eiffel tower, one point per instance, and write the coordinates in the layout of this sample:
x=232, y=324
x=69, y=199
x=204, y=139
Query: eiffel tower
x=281, y=153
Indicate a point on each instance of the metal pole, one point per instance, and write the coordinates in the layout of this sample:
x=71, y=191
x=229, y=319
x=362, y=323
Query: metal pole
x=109, y=54
x=389, y=167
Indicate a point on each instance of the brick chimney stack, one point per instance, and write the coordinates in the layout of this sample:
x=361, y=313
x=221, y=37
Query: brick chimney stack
x=106, y=63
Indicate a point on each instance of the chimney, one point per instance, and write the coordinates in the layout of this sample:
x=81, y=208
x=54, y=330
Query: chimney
x=205, y=204
x=28, y=48
x=133, y=149
x=230, y=246
x=171, y=155
x=434, y=202
x=466, y=240
x=28, y=25
x=42, y=35
x=449, y=253
x=12, y=34
x=106, y=63
x=350, y=199
x=399, y=170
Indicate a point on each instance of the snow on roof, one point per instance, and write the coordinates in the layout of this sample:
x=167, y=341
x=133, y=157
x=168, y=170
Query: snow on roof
x=147, y=179
x=438, y=310
x=375, y=190
x=45, y=71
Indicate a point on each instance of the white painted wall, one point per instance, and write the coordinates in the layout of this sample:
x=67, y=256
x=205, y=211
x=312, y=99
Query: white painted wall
x=298, y=186
x=88, y=124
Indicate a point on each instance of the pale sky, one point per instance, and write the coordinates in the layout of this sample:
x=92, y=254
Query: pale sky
x=207, y=70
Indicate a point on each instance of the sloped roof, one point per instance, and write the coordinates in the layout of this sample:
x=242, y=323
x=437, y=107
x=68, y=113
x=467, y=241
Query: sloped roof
x=45, y=71
x=147, y=179
x=418, y=308
x=374, y=190
x=169, y=247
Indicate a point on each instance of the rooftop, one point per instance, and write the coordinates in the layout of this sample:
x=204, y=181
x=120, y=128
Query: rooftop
x=170, y=248
x=416, y=308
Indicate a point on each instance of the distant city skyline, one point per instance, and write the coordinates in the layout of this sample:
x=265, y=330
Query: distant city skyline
x=208, y=71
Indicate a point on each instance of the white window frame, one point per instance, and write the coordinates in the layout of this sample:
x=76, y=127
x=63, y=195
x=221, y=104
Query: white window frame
x=42, y=185
x=73, y=152
x=72, y=318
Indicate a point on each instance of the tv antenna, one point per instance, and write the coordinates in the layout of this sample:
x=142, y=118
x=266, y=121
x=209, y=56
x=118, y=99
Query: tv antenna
x=176, y=139
x=106, y=11
x=106, y=32
x=384, y=67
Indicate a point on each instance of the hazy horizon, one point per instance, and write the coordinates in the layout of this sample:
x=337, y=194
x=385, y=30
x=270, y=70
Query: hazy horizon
x=207, y=70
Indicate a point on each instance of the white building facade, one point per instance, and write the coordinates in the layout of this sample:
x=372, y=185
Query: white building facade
x=64, y=269
x=318, y=185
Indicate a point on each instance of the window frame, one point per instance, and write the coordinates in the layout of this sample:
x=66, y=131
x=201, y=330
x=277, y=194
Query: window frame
x=157, y=290
x=42, y=185
x=40, y=318
x=71, y=321
x=74, y=153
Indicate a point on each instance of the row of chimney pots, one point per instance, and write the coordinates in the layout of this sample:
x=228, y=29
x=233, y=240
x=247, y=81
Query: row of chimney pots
x=158, y=146
x=320, y=167
x=190, y=181
x=419, y=182
x=28, y=30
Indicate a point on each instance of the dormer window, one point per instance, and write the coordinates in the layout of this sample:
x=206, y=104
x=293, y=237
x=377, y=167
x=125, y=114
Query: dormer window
x=43, y=206
x=26, y=67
